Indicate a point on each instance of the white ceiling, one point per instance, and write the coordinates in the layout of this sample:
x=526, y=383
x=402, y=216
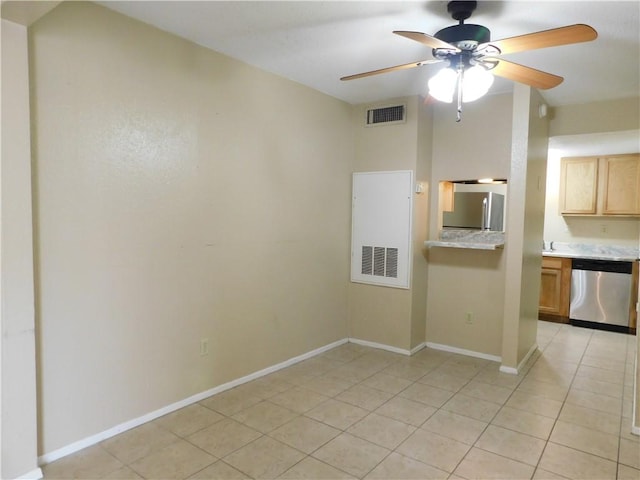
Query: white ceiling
x=317, y=42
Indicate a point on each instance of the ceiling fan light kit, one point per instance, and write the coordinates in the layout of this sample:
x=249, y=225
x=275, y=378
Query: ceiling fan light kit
x=442, y=86
x=472, y=83
x=473, y=59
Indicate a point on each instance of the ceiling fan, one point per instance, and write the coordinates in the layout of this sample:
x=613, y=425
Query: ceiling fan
x=472, y=55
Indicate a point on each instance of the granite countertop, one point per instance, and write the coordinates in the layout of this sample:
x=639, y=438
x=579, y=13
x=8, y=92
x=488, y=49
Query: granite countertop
x=487, y=240
x=470, y=245
x=471, y=239
x=592, y=251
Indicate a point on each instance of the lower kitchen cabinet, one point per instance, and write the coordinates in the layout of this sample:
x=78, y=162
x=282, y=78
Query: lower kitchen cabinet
x=555, y=289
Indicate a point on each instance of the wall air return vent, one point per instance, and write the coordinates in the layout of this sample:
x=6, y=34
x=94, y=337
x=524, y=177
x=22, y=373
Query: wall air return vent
x=381, y=228
x=386, y=115
x=380, y=261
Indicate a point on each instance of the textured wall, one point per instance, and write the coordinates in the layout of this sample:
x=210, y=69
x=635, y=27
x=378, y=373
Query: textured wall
x=180, y=195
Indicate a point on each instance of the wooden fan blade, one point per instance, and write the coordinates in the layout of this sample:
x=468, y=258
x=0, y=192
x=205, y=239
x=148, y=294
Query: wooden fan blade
x=389, y=69
x=547, y=38
x=425, y=39
x=527, y=75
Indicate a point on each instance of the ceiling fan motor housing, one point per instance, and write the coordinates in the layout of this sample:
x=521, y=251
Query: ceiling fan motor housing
x=465, y=36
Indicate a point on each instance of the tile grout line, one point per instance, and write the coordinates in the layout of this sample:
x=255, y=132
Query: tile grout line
x=591, y=338
x=624, y=376
x=305, y=455
x=486, y=427
x=555, y=421
x=413, y=382
x=391, y=451
x=429, y=368
x=425, y=421
x=303, y=414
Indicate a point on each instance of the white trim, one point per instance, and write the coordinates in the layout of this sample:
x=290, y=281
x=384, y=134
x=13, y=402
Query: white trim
x=462, y=351
x=516, y=370
x=417, y=348
x=381, y=346
x=526, y=358
x=510, y=370
x=98, y=437
x=635, y=428
x=32, y=475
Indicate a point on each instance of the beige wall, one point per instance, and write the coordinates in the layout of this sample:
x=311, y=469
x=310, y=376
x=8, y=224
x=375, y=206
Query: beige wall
x=606, y=127
x=180, y=195
x=595, y=117
x=18, y=431
x=525, y=217
x=421, y=225
x=477, y=147
x=382, y=314
x=468, y=281
x=498, y=289
x=18, y=417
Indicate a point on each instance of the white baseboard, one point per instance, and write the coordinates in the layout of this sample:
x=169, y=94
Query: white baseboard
x=635, y=426
x=516, y=370
x=32, y=475
x=526, y=358
x=381, y=346
x=417, y=348
x=510, y=370
x=123, y=427
x=462, y=351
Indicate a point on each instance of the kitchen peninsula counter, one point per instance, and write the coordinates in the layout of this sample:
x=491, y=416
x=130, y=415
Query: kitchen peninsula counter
x=471, y=239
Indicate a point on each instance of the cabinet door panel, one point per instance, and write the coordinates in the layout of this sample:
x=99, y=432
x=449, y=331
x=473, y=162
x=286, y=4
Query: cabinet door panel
x=578, y=185
x=550, y=291
x=621, y=185
x=555, y=286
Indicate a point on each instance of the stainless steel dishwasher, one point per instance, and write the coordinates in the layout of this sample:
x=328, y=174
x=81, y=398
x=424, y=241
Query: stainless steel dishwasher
x=600, y=293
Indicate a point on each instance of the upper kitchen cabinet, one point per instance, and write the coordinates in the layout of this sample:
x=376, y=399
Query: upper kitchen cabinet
x=578, y=185
x=621, y=180
x=600, y=185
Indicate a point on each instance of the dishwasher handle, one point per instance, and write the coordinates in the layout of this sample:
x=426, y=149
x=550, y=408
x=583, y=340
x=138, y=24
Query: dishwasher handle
x=612, y=266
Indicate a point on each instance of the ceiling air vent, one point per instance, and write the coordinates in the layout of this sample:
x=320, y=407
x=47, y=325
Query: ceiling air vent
x=386, y=115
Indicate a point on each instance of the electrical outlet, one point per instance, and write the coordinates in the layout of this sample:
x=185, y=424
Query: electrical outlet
x=603, y=228
x=204, y=346
x=468, y=318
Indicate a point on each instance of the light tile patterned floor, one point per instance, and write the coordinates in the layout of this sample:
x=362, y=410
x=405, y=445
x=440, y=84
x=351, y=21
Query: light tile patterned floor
x=357, y=412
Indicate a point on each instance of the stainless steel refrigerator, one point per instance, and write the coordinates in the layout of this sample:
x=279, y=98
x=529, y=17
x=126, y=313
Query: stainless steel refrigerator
x=476, y=210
